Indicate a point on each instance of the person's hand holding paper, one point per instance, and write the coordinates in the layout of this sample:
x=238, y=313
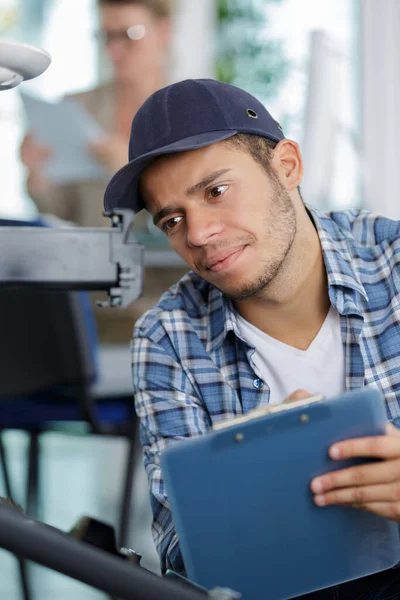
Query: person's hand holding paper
x=34, y=155
x=110, y=151
x=66, y=129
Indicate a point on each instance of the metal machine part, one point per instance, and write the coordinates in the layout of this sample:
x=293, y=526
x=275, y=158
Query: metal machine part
x=19, y=62
x=56, y=550
x=101, y=535
x=83, y=561
x=70, y=258
x=75, y=258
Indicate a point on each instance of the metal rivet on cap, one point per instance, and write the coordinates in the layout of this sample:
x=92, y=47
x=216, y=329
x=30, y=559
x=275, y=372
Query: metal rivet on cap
x=252, y=113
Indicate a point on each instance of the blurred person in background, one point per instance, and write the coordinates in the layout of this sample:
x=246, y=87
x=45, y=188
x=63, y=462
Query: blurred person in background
x=136, y=34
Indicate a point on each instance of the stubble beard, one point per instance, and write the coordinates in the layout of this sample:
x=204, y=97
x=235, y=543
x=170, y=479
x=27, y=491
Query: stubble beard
x=281, y=227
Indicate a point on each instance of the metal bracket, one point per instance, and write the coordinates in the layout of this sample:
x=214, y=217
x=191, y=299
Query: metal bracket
x=75, y=258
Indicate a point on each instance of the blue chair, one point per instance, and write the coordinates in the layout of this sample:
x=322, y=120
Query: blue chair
x=48, y=363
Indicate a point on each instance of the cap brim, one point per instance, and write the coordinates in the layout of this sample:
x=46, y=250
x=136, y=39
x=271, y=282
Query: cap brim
x=123, y=189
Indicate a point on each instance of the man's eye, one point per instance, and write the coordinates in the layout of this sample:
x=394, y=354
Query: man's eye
x=218, y=190
x=170, y=224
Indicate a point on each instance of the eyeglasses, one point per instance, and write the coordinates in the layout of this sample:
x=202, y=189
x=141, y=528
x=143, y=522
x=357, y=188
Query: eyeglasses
x=133, y=33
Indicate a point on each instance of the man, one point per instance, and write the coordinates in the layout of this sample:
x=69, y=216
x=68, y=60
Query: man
x=281, y=297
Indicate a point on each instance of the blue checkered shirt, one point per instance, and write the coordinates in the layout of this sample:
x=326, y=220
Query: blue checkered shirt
x=192, y=369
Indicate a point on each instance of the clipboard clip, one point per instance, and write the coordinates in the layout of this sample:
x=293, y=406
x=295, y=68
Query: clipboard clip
x=267, y=409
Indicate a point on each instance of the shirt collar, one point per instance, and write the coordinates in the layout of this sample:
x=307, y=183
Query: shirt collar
x=346, y=291
x=338, y=249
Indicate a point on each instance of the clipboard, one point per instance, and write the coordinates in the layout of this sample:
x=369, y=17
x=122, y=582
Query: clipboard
x=243, y=509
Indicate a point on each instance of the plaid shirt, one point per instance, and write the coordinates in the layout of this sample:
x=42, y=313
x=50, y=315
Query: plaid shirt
x=192, y=369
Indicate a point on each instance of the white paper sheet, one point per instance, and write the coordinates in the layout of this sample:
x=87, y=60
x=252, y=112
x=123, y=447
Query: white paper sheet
x=67, y=128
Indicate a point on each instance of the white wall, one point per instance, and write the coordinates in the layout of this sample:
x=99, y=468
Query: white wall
x=380, y=98
x=194, y=36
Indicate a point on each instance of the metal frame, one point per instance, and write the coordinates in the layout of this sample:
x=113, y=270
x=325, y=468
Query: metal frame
x=75, y=258
x=52, y=548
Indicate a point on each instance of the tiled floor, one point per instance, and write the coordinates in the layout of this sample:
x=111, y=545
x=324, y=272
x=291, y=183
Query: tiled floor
x=80, y=475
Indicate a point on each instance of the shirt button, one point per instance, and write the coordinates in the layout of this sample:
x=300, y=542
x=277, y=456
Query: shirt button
x=258, y=383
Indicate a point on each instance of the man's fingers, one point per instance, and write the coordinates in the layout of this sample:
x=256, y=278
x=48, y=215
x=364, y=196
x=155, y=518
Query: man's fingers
x=360, y=496
x=298, y=395
x=360, y=475
x=381, y=446
x=392, y=430
x=389, y=510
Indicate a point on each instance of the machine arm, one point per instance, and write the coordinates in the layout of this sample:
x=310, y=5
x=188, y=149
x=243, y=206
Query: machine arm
x=75, y=258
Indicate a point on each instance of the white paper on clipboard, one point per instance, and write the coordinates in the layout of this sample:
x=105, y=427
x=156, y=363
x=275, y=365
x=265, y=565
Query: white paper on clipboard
x=67, y=128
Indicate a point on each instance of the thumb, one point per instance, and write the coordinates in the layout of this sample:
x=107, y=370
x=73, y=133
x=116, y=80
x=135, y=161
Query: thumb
x=298, y=395
x=392, y=430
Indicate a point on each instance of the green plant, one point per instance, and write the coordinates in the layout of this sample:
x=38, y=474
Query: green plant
x=247, y=53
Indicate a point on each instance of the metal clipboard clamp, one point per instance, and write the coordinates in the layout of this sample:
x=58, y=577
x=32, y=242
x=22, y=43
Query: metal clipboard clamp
x=267, y=409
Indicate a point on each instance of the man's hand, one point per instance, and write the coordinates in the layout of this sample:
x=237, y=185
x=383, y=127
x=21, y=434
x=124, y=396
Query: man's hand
x=375, y=486
x=298, y=395
x=111, y=152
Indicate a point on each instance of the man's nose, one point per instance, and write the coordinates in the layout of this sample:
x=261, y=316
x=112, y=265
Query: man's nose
x=116, y=48
x=201, y=225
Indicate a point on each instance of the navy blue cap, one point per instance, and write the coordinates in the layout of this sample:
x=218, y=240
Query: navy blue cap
x=184, y=116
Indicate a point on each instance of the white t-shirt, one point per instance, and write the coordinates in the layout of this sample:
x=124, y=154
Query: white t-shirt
x=319, y=369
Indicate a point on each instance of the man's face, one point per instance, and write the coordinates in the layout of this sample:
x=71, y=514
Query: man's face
x=230, y=221
x=133, y=58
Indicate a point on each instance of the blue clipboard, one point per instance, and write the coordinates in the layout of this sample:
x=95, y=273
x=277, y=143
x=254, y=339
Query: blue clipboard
x=243, y=509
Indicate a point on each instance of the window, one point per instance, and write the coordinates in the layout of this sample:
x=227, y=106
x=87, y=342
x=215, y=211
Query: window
x=53, y=26
x=300, y=61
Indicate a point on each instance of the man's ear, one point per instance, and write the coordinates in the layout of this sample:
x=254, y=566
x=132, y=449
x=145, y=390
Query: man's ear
x=288, y=163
